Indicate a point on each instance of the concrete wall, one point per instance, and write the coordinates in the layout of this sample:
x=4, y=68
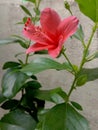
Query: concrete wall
x=10, y=13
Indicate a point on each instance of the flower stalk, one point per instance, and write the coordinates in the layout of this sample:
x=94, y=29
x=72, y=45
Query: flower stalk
x=87, y=47
x=67, y=6
x=64, y=54
x=73, y=86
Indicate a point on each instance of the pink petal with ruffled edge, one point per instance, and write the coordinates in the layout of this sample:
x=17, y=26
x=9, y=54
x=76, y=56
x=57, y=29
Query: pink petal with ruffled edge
x=49, y=20
x=37, y=47
x=68, y=27
x=53, y=33
x=55, y=51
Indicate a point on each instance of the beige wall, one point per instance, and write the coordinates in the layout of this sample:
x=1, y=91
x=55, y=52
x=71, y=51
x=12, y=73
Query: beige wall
x=10, y=13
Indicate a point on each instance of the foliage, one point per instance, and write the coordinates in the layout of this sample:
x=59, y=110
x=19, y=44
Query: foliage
x=29, y=112
x=71, y=119
x=91, y=11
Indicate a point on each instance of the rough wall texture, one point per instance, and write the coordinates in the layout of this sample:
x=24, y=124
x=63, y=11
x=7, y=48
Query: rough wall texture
x=10, y=13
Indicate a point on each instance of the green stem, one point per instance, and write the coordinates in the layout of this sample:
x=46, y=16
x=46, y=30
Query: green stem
x=70, y=12
x=82, y=62
x=38, y=3
x=67, y=6
x=71, y=89
x=87, y=47
x=35, y=3
x=68, y=60
x=83, y=43
x=27, y=57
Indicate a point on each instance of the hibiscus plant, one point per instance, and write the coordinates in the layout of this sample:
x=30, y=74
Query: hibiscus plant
x=45, y=32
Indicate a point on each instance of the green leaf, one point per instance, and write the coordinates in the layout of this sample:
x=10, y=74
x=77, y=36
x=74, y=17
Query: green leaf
x=2, y=98
x=33, y=1
x=92, y=57
x=26, y=10
x=29, y=102
x=18, y=54
x=41, y=52
x=34, y=77
x=20, y=61
x=56, y=98
x=63, y=117
x=36, y=19
x=42, y=94
x=77, y=105
x=56, y=95
x=10, y=104
x=37, y=11
x=11, y=64
x=25, y=19
x=68, y=67
x=79, y=34
x=82, y=79
x=18, y=37
x=95, y=55
x=12, y=82
x=9, y=41
x=19, y=23
x=89, y=8
x=18, y=120
x=92, y=73
x=32, y=85
x=22, y=43
x=6, y=126
x=42, y=64
x=75, y=68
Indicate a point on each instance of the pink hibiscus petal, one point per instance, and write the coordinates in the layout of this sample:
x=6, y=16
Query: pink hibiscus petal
x=68, y=27
x=37, y=36
x=49, y=20
x=54, y=52
x=52, y=34
x=36, y=47
x=35, y=33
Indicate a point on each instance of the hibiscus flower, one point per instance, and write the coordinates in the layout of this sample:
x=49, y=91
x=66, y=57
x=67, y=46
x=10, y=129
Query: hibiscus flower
x=52, y=33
